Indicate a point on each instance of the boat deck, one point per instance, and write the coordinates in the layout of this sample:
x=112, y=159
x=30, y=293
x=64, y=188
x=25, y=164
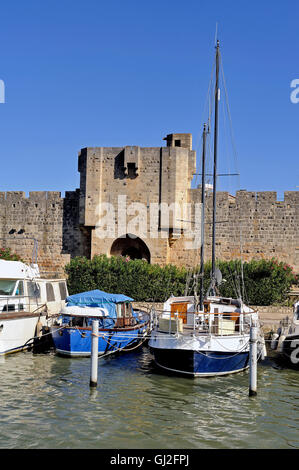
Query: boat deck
x=20, y=315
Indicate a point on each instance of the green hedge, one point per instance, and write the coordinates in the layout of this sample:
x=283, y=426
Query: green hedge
x=266, y=281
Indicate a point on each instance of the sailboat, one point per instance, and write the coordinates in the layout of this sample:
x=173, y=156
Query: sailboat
x=207, y=335
x=286, y=340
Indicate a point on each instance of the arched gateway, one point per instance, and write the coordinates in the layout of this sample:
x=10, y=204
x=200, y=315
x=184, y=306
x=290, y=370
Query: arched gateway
x=131, y=246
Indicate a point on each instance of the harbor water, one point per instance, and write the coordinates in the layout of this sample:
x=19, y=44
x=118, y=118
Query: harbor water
x=46, y=403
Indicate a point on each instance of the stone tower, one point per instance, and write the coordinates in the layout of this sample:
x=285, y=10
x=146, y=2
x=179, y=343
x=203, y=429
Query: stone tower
x=132, y=183
x=132, y=201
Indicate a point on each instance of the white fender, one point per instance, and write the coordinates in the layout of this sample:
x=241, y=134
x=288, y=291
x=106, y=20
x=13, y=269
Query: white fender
x=274, y=341
x=280, y=343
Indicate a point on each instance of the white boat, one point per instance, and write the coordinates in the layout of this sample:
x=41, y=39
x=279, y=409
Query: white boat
x=27, y=303
x=286, y=340
x=208, y=336
x=211, y=342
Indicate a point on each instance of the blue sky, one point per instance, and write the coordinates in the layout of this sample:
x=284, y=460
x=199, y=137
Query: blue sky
x=114, y=73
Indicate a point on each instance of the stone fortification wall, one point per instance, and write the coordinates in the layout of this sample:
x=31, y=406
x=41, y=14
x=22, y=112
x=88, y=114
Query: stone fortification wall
x=69, y=226
x=266, y=227
x=269, y=228
x=46, y=217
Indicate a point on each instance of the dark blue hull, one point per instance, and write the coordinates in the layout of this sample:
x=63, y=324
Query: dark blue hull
x=203, y=364
x=72, y=341
x=290, y=350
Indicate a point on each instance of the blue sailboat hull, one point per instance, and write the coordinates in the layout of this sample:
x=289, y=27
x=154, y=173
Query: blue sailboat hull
x=203, y=363
x=72, y=341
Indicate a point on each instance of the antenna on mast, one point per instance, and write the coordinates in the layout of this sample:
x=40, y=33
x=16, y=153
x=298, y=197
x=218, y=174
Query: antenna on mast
x=216, y=35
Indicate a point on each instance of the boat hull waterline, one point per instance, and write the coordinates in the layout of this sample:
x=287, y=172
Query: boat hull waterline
x=201, y=356
x=290, y=350
x=76, y=342
x=17, y=331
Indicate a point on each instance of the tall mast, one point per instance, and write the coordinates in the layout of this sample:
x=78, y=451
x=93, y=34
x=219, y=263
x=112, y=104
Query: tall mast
x=204, y=135
x=213, y=281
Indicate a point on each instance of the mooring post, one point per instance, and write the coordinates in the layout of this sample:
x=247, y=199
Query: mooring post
x=253, y=360
x=94, y=354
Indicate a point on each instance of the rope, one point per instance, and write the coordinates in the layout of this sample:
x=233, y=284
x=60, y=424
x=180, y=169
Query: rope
x=220, y=358
x=123, y=349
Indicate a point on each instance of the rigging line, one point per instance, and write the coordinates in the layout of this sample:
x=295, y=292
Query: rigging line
x=195, y=268
x=197, y=174
x=226, y=146
x=239, y=285
x=209, y=160
x=207, y=101
x=188, y=279
x=234, y=283
x=233, y=280
x=229, y=115
x=236, y=163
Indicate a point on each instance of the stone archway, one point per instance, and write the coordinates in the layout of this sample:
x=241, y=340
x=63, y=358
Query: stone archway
x=131, y=246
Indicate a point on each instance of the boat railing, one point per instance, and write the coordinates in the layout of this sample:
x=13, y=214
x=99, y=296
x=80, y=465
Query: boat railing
x=216, y=323
x=20, y=303
x=79, y=320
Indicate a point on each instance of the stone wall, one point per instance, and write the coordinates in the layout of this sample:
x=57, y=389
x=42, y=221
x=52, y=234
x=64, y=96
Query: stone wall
x=257, y=221
x=49, y=219
x=69, y=226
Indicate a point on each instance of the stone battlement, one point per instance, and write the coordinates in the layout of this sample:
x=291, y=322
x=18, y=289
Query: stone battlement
x=66, y=226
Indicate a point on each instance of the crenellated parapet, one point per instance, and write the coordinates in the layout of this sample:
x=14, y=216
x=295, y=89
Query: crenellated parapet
x=264, y=226
x=67, y=226
x=45, y=218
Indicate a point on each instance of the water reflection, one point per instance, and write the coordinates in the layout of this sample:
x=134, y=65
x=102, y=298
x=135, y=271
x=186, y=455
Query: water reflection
x=47, y=403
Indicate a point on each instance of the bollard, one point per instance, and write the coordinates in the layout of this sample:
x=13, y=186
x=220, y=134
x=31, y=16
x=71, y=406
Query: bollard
x=253, y=360
x=94, y=353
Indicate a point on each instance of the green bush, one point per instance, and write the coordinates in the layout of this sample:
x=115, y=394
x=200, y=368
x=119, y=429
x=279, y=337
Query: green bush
x=265, y=281
x=135, y=278
x=6, y=254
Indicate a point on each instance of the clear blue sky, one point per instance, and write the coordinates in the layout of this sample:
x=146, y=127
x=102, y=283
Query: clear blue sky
x=114, y=73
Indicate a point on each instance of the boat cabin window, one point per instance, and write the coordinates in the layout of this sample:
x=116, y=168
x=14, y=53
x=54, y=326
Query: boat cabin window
x=7, y=286
x=20, y=288
x=119, y=310
x=33, y=289
x=206, y=307
x=50, y=292
x=128, y=310
x=78, y=321
x=62, y=289
x=123, y=310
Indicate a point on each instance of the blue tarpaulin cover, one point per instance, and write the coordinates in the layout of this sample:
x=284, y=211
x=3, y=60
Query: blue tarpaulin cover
x=98, y=298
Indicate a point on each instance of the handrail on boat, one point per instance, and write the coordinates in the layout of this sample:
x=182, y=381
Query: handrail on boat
x=20, y=303
x=222, y=323
x=122, y=322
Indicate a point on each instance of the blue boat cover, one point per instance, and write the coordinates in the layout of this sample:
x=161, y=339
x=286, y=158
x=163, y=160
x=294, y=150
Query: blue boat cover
x=98, y=298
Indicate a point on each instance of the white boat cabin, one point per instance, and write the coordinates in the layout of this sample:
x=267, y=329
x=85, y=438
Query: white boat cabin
x=224, y=316
x=23, y=290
